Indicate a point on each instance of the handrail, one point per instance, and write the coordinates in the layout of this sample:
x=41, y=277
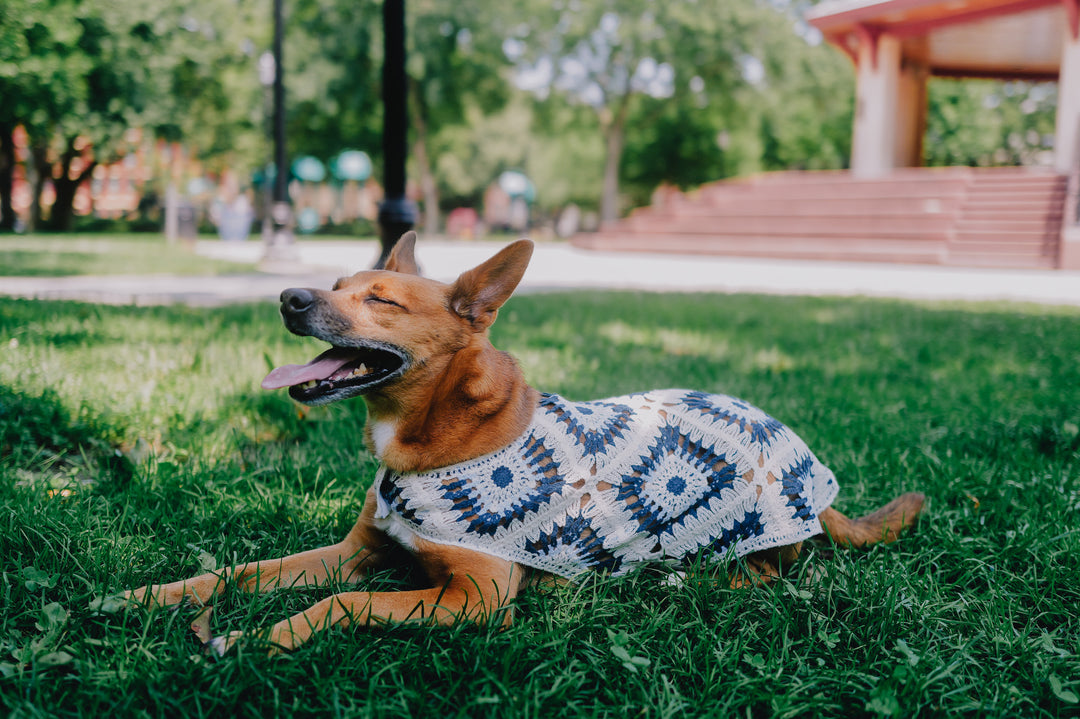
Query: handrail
x=1068, y=254
x=1071, y=215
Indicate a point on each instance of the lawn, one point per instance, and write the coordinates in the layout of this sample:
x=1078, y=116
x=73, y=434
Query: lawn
x=136, y=446
x=60, y=255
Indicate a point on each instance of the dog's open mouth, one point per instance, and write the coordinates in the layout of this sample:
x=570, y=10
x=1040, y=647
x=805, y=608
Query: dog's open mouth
x=340, y=372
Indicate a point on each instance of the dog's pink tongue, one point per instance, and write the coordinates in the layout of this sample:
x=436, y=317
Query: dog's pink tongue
x=319, y=368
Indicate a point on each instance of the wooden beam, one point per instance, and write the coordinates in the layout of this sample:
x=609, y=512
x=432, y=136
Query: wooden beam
x=916, y=28
x=995, y=74
x=1072, y=17
x=868, y=36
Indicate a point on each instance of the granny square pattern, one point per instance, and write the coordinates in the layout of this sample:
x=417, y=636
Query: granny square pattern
x=658, y=477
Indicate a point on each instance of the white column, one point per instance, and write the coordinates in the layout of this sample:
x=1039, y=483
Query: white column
x=877, y=97
x=1065, y=142
x=1068, y=109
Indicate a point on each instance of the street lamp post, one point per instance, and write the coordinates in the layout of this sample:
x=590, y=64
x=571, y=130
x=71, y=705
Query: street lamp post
x=279, y=242
x=397, y=214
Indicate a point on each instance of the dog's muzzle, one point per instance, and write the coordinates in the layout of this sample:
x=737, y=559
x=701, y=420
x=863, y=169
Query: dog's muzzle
x=296, y=304
x=352, y=366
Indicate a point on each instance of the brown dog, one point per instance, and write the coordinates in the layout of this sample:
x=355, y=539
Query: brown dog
x=487, y=484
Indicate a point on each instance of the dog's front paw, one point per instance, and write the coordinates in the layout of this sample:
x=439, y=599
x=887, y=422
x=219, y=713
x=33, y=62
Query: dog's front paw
x=222, y=645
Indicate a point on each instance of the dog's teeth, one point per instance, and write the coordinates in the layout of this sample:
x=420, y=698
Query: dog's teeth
x=309, y=384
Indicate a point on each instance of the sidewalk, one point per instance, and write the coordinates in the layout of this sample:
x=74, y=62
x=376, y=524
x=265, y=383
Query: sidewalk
x=558, y=266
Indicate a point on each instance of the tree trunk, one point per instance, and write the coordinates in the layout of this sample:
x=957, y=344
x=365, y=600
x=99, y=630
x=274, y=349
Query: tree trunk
x=609, y=200
x=40, y=170
x=62, y=216
x=429, y=189
x=614, y=139
x=7, y=178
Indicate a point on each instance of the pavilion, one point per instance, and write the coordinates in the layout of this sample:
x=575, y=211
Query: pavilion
x=886, y=208
x=897, y=45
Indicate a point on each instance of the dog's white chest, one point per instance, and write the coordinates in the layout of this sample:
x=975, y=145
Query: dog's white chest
x=382, y=433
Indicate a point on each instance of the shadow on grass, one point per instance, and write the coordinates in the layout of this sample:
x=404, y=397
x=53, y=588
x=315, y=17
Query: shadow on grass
x=41, y=442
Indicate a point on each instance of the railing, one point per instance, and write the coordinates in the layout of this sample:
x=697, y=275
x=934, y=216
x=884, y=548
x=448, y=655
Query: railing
x=1069, y=247
x=1072, y=187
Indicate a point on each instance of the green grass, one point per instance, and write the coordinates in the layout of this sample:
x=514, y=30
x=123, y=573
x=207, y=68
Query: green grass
x=136, y=446
x=49, y=255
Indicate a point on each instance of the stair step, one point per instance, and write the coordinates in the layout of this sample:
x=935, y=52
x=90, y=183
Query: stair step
x=839, y=192
x=932, y=227
x=957, y=216
x=1043, y=224
x=875, y=249
x=831, y=207
x=1019, y=260
x=1035, y=248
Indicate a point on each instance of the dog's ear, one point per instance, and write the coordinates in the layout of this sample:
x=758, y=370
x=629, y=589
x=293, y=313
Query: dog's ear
x=478, y=293
x=402, y=258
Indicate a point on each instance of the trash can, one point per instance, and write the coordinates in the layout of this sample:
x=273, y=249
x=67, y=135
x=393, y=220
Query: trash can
x=187, y=221
x=234, y=224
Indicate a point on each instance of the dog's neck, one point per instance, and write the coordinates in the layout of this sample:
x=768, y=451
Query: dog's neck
x=456, y=408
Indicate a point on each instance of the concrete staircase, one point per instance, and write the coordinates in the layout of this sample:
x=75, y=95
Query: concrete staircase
x=1010, y=219
x=999, y=217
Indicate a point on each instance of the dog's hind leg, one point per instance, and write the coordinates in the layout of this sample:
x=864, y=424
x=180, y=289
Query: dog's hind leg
x=884, y=525
x=761, y=568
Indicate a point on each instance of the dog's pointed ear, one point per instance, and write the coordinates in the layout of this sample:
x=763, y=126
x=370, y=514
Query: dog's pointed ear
x=402, y=257
x=478, y=293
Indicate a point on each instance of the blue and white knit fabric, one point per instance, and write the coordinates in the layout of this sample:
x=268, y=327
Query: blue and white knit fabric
x=658, y=477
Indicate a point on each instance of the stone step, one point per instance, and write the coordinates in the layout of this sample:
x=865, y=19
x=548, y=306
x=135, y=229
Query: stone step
x=1037, y=225
x=872, y=249
x=915, y=227
x=984, y=217
x=844, y=207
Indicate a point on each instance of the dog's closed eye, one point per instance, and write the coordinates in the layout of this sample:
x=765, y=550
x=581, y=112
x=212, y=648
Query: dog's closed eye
x=383, y=301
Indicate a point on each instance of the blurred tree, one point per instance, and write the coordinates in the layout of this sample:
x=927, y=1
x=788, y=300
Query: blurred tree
x=989, y=122
x=615, y=55
x=77, y=74
x=333, y=57
x=12, y=52
x=78, y=81
x=458, y=74
x=792, y=110
x=209, y=95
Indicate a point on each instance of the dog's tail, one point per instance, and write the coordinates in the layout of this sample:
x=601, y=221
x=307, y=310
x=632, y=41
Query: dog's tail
x=884, y=525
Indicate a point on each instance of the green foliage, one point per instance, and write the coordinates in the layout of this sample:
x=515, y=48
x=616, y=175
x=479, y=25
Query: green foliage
x=78, y=74
x=989, y=122
x=210, y=97
x=687, y=92
x=173, y=459
x=333, y=57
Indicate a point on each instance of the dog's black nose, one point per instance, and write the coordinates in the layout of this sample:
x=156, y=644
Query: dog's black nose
x=296, y=300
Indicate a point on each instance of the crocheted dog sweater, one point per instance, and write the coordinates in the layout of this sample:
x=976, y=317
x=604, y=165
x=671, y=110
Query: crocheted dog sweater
x=658, y=477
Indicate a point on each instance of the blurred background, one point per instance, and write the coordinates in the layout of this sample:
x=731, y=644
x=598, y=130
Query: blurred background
x=554, y=116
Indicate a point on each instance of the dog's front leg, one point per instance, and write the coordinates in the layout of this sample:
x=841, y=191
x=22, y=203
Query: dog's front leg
x=473, y=587
x=363, y=549
x=316, y=566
